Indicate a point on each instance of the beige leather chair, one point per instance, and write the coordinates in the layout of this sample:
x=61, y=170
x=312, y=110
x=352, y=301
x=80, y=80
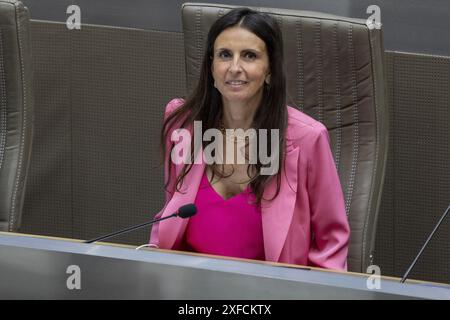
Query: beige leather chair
x=16, y=107
x=335, y=74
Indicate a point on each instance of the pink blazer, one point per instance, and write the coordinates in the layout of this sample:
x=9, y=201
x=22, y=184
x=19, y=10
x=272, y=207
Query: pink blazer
x=305, y=224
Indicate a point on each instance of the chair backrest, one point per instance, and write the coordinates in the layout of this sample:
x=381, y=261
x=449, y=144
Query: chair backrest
x=334, y=74
x=16, y=105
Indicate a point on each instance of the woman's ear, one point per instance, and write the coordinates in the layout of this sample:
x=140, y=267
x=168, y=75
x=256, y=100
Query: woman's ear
x=267, y=80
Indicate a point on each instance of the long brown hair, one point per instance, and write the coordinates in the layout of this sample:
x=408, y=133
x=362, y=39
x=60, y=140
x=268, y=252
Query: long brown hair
x=205, y=103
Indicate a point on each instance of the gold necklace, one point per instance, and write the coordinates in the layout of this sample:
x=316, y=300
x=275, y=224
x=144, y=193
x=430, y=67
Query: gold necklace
x=231, y=135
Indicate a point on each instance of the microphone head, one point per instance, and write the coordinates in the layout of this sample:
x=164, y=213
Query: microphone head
x=186, y=211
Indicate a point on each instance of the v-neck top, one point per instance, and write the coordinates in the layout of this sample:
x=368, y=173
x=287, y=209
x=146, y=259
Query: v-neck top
x=227, y=227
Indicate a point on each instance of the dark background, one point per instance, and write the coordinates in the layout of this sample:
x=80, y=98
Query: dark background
x=413, y=25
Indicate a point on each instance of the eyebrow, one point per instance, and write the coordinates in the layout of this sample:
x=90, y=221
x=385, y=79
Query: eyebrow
x=248, y=49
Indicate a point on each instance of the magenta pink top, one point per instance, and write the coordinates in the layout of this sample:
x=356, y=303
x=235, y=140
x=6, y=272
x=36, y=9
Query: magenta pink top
x=231, y=227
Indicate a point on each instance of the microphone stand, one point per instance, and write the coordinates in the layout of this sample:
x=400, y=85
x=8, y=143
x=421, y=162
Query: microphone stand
x=130, y=229
x=425, y=244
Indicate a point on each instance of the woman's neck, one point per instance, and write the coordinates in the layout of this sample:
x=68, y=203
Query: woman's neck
x=238, y=115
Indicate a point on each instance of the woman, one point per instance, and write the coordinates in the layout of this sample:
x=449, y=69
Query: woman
x=294, y=215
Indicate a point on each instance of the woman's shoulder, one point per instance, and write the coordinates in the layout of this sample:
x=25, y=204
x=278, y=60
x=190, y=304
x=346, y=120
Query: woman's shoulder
x=301, y=126
x=174, y=104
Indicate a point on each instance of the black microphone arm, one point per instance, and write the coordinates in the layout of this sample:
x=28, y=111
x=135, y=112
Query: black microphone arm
x=185, y=211
x=425, y=244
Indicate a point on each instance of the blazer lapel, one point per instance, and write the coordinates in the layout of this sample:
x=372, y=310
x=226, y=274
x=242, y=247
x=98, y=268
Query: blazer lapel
x=277, y=214
x=171, y=230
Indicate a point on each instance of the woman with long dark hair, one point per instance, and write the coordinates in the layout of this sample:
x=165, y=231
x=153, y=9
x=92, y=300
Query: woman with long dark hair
x=283, y=202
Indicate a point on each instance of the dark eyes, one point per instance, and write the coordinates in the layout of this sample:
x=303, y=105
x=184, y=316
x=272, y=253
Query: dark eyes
x=249, y=55
x=224, y=54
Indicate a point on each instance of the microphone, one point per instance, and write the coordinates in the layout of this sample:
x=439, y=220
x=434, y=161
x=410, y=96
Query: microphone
x=184, y=212
x=424, y=246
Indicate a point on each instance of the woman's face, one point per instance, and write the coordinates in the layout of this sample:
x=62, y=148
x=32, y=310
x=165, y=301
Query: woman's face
x=240, y=66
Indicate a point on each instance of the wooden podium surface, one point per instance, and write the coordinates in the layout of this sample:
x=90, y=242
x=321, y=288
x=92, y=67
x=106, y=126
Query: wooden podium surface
x=36, y=267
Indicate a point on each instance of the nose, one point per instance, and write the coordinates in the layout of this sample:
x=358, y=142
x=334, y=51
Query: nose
x=235, y=66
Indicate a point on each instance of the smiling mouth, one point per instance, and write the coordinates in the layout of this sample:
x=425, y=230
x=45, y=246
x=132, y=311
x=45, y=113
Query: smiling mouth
x=236, y=83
